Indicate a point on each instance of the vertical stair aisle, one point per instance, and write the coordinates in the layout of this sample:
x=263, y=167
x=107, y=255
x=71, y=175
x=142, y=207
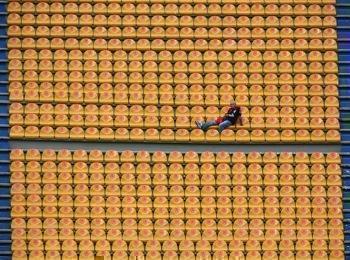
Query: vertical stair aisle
x=343, y=28
x=5, y=219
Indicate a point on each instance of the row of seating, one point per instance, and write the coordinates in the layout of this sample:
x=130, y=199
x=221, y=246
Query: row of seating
x=103, y=2
x=167, y=75
x=304, y=208
x=48, y=88
x=168, y=135
x=175, y=209
x=158, y=44
x=80, y=204
x=49, y=212
x=169, y=79
x=196, y=100
x=232, y=56
x=179, y=235
x=275, y=186
x=304, y=225
x=151, y=20
x=166, y=111
x=169, y=245
x=173, y=32
x=172, y=157
x=199, y=176
x=162, y=211
x=205, y=8
x=177, y=67
x=209, y=216
x=182, y=122
x=253, y=163
x=243, y=46
x=206, y=175
x=206, y=178
x=130, y=213
x=185, y=255
x=190, y=191
x=107, y=116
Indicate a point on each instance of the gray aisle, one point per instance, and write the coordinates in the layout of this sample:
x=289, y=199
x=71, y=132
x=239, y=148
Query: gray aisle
x=167, y=147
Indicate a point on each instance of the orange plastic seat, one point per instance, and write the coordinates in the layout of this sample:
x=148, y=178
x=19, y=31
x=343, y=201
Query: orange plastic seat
x=288, y=136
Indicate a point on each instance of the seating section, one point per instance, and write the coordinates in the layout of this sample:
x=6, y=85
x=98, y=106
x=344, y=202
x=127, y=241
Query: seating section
x=146, y=70
x=145, y=205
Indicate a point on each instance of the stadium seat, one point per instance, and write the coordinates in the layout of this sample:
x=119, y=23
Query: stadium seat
x=260, y=232
x=128, y=71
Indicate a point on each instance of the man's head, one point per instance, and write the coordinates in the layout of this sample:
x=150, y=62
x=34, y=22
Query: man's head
x=232, y=103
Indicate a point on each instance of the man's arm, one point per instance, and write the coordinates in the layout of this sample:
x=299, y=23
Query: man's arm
x=240, y=119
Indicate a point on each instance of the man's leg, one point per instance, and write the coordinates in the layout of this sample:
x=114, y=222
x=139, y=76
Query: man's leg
x=224, y=125
x=206, y=125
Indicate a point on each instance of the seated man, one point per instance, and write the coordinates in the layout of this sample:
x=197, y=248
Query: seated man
x=231, y=117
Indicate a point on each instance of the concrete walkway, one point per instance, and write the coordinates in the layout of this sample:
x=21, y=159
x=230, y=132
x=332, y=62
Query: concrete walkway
x=56, y=145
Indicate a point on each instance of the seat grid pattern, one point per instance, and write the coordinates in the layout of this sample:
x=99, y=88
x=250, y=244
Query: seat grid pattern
x=130, y=205
x=267, y=55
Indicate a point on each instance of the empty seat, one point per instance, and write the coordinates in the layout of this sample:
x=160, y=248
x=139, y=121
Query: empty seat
x=145, y=72
x=294, y=198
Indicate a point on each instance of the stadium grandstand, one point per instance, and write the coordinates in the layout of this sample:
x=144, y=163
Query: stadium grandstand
x=101, y=156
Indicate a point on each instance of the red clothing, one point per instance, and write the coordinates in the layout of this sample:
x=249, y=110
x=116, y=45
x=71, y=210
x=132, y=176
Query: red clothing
x=219, y=120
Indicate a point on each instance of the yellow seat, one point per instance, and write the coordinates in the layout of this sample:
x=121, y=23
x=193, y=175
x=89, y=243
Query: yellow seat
x=182, y=122
x=272, y=122
x=256, y=90
x=253, y=255
x=274, y=112
x=166, y=135
x=318, y=135
x=16, y=119
x=31, y=132
x=333, y=158
x=331, y=90
x=333, y=136
x=303, y=135
x=227, y=135
x=92, y=133
x=150, y=89
x=151, y=134
x=167, y=122
x=257, y=135
x=287, y=136
x=85, y=245
x=272, y=135
x=337, y=254
x=331, y=102
x=330, y=112
x=151, y=122
x=257, y=123
x=256, y=111
x=241, y=100
x=135, y=121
